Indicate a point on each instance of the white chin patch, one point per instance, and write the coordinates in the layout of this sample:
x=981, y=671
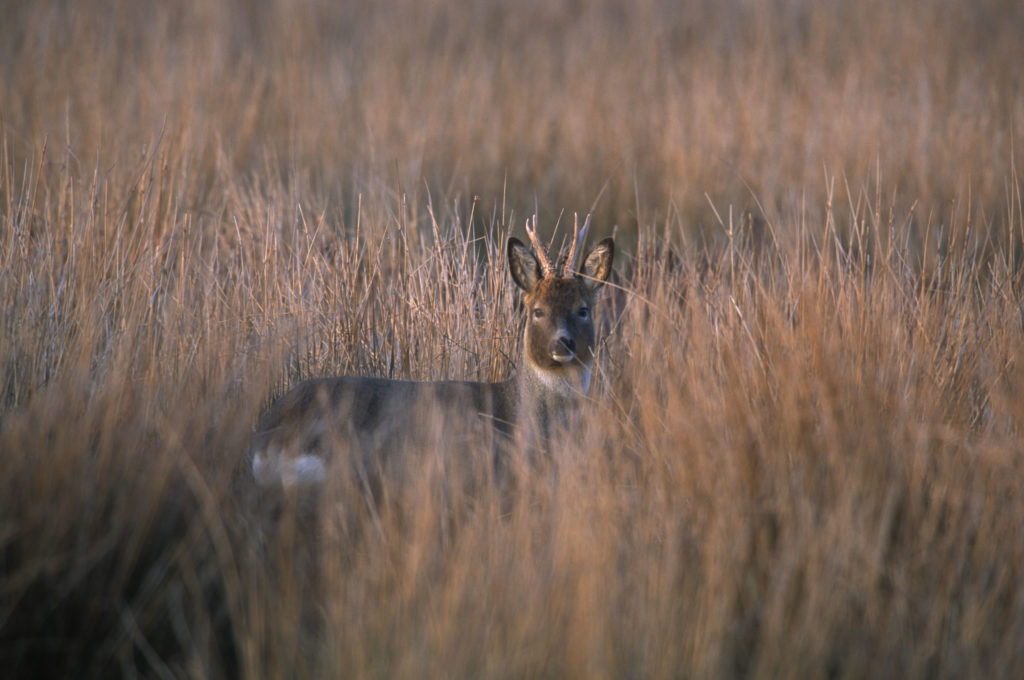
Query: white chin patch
x=563, y=358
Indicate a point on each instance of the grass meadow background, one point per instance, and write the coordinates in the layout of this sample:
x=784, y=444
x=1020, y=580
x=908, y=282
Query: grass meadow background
x=804, y=453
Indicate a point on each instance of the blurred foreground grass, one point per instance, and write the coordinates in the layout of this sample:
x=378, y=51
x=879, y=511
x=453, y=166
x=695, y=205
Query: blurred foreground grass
x=803, y=457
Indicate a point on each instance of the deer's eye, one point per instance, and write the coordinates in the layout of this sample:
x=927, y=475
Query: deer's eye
x=538, y=313
x=583, y=313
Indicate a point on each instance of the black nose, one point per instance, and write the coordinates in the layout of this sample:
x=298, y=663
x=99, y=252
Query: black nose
x=563, y=345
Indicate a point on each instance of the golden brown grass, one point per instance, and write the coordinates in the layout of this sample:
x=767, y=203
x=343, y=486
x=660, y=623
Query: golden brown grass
x=804, y=454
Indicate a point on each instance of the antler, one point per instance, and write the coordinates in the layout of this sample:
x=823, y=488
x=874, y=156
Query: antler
x=547, y=269
x=578, y=236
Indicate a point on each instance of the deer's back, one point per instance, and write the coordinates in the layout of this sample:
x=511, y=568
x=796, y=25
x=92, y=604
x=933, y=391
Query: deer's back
x=368, y=403
x=369, y=416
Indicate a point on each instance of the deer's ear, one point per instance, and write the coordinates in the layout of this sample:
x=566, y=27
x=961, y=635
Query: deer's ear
x=597, y=266
x=523, y=265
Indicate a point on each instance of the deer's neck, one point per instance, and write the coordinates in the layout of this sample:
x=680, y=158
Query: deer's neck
x=566, y=385
x=546, y=397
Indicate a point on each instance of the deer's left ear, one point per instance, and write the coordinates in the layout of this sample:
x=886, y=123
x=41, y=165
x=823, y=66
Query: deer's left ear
x=597, y=266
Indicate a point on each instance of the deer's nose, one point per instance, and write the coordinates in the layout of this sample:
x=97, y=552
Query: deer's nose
x=563, y=348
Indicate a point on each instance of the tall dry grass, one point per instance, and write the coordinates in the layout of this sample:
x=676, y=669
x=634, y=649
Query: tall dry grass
x=803, y=456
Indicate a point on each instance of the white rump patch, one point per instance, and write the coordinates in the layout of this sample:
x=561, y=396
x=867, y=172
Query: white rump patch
x=304, y=470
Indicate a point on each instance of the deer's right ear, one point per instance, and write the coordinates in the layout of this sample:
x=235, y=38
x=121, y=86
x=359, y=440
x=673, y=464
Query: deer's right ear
x=523, y=265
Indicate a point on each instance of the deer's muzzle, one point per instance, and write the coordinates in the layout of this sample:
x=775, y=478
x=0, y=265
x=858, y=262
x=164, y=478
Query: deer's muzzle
x=563, y=349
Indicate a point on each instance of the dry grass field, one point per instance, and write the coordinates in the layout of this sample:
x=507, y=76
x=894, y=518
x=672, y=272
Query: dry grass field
x=804, y=455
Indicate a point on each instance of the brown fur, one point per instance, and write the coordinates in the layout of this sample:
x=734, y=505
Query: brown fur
x=295, y=436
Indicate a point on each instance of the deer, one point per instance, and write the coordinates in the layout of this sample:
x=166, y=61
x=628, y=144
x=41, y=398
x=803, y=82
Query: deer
x=293, y=438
